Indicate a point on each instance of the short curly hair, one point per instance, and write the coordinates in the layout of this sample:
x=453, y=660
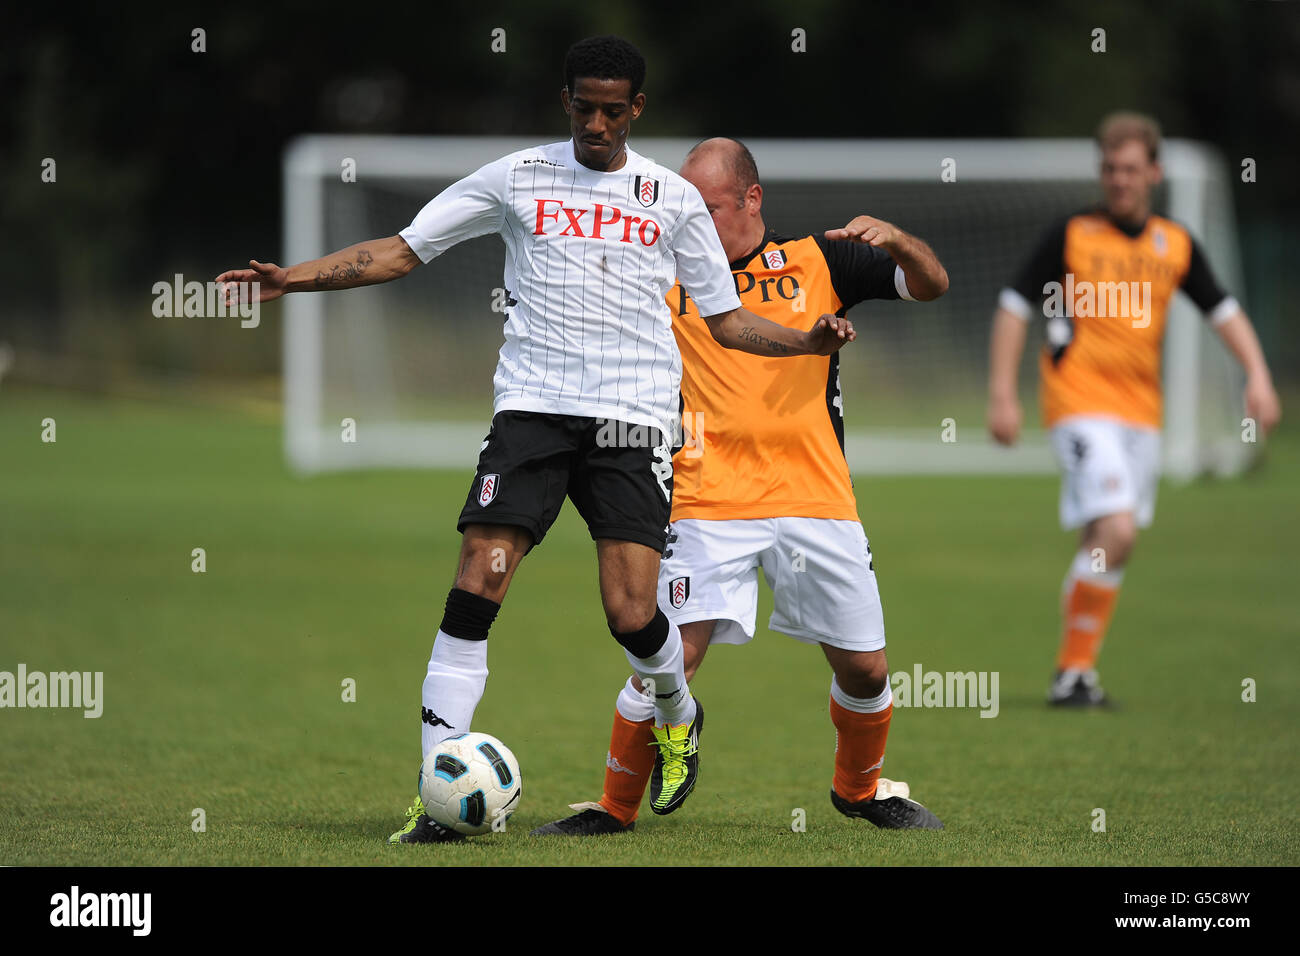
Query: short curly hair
x=604, y=58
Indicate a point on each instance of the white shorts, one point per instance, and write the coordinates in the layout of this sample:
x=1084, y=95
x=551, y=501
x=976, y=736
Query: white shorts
x=1107, y=467
x=819, y=571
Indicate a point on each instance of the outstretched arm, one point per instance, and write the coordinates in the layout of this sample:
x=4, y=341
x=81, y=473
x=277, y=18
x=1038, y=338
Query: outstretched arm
x=927, y=279
x=366, y=263
x=1262, y=403
x=1006, y=347
x=743, y=330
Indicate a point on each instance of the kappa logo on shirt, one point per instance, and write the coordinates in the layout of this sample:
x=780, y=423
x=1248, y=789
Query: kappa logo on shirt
x=774, y=259
x=488, y=490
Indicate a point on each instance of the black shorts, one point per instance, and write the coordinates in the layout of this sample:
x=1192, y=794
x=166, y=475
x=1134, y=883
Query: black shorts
x=619, y=476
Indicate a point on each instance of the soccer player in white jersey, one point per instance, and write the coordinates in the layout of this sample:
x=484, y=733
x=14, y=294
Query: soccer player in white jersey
x=595, y=235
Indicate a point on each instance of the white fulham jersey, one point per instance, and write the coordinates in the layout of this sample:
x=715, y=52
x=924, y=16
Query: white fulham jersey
x=590, y=257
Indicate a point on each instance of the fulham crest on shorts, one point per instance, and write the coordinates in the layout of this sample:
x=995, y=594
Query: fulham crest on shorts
x=679, y=589
x=645, y=190
x=488, y=490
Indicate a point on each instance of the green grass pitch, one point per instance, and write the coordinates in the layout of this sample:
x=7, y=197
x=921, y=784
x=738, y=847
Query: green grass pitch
x=223, y=690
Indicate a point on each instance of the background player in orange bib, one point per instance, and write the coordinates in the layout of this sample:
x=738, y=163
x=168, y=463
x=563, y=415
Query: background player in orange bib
x=1105, y=278
x=762, y=482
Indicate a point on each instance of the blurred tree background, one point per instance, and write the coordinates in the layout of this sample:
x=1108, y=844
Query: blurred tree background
x=168, y=160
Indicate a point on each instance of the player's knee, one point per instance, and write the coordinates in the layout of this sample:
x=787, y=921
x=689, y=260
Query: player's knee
x=1117, y=535
x=643, y=641
x=628, y=619
x=625, y=614
x=863, y=675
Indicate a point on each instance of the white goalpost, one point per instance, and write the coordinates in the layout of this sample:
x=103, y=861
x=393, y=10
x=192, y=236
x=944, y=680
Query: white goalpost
x=410, y=362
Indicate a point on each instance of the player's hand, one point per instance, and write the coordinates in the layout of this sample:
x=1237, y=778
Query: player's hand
x=1005, y=417
x=1262, y=403
x=874, y=232
x=271, y=281
x=830, y=334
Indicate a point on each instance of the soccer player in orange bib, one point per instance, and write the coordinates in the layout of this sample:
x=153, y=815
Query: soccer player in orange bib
x=762, y=481
x=1105, y=278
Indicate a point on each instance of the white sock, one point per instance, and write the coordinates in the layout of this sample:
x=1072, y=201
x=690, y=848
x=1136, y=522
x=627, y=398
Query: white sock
x=634, y=705
x=673, y=701
x=452, y=689
x=1081, y=570
x=861, y=705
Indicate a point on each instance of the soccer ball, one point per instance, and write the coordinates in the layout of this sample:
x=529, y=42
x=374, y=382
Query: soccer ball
x=470, y=783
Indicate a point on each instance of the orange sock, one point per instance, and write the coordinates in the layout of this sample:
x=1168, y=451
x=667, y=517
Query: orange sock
x=1088, y=609
x=627, y=766
x=859, y=750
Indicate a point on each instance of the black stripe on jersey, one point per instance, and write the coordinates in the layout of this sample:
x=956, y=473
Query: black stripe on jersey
x=858, y=271
x=1060, y=333
x=833, y=393
x=1046, y=263
x=678, y=438
x=1199, y=282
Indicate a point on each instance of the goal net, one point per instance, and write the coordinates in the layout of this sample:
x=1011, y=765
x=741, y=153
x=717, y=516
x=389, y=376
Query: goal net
x=410, y=363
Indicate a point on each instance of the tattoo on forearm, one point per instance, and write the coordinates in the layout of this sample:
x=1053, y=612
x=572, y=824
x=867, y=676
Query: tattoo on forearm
x=747, y=334
x=345, y=271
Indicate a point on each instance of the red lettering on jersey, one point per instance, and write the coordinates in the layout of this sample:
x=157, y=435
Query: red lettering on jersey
x=543, y=215
x=600, y=221
x=603, y=215
x=574, y=215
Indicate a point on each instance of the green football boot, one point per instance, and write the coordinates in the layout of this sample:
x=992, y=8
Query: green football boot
x=420, y=828
x=677, y=765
